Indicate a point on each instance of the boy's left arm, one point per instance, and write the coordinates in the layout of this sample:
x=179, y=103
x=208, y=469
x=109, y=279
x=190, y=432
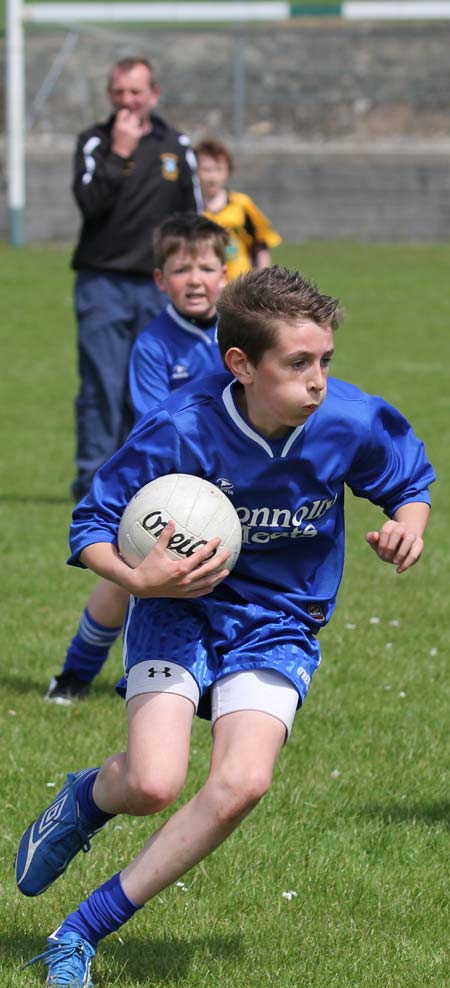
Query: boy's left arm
x=261, y=232
x=399, y=540
x=262, y=257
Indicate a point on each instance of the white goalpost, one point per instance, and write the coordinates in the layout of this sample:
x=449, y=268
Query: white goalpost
x=20, y=13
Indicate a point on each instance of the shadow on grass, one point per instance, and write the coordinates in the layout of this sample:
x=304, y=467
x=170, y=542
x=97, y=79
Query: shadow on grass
x=137, y=961
x=24, y=684
x=409, y=810
x=35, y=499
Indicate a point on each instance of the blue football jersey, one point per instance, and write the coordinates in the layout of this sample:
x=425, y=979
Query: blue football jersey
x=169, y=352
x=289, y=494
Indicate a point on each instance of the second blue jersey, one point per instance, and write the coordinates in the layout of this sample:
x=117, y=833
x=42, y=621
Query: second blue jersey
x=170, y=352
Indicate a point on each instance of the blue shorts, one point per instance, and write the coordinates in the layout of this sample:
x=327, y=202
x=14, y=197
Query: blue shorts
x=213, y=637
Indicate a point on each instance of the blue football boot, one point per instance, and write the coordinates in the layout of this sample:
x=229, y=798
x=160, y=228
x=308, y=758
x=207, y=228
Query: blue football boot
x=68, y=959
x=49, y=844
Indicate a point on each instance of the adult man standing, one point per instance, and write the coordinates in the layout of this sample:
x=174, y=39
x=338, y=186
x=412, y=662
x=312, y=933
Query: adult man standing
x=131, y=172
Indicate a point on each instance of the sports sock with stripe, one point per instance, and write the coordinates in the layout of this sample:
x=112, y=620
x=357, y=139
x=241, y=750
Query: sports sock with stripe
x=89, y=648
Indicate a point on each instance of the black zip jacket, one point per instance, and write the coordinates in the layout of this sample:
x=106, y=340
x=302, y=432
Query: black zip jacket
x=123, y=200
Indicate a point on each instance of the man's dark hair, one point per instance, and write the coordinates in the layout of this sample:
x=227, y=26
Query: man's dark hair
x=190, y=230
x=253, y=307
x=126, y=64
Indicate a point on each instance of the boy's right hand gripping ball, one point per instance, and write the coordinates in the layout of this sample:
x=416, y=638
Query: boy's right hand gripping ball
x=200, y=510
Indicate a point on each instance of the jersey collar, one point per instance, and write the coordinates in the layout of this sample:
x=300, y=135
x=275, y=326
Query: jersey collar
x=246, y=428
x=190, y=327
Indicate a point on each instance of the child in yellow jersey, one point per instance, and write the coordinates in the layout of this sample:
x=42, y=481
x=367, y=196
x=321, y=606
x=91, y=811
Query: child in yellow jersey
x=251, y=234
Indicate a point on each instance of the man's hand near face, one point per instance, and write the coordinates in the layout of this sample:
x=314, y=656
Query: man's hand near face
x=127, y=131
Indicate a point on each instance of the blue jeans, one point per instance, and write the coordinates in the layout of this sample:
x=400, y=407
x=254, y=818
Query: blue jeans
x=111, y=310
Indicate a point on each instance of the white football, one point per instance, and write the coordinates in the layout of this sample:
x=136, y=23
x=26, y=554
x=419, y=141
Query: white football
x=200, y=510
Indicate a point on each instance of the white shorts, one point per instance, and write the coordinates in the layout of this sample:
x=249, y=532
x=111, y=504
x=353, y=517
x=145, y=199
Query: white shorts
x=264, y=690
x=256, y=689
x=161, y=677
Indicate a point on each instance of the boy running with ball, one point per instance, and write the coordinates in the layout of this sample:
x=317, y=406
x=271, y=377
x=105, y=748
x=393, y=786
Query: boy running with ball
x=283, y=439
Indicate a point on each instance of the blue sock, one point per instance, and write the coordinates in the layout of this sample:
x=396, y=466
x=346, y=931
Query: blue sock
x=104, y=911
x=91, y=813
x=89, y=648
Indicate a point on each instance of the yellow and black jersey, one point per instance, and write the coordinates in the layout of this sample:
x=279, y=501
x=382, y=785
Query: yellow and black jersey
x=249, y=231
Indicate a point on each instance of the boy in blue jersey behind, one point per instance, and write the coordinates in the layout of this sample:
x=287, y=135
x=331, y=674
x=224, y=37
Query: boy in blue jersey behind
x=178, y=346
x=239, y=646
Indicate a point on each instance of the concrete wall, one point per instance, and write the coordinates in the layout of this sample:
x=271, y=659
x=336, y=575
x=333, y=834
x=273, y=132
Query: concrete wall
x=338, y=130
x=308, y=190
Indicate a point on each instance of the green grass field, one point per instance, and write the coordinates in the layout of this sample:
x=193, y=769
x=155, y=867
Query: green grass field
x=357, y=821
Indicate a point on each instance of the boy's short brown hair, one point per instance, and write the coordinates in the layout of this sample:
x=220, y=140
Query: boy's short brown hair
x=216, y=150
x=188, y=230
x=253, y=307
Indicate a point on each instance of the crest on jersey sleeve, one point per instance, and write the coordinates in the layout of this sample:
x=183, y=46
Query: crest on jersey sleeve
x=180, y=373
x=169, y=167
x=225, y=485
x=316, y=612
